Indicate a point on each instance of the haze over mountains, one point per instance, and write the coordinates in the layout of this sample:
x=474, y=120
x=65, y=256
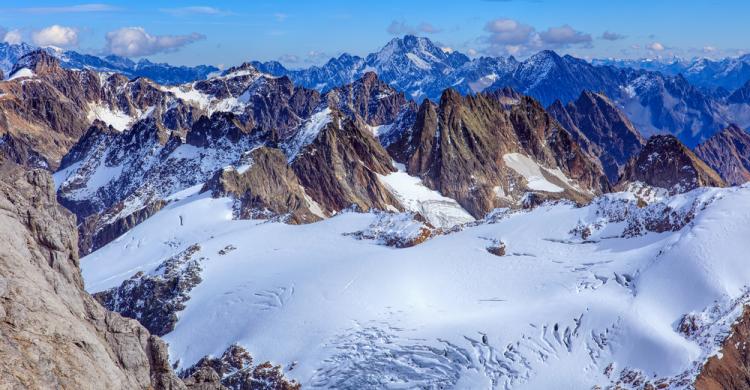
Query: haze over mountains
x=413, y=217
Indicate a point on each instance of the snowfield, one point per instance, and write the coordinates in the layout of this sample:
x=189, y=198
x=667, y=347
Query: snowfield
x=440, y=211
x=118, y=120
x=581, y=296
x=532, y=172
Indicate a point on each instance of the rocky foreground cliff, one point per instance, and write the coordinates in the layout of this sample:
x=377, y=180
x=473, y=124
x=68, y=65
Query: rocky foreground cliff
x=56, y=336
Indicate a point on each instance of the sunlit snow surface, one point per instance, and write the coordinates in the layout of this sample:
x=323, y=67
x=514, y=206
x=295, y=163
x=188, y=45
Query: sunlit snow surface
x=554, y=312
x=22, y=73
x=439, y=210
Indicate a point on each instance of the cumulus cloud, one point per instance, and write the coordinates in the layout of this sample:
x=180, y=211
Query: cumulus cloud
x=656, y=46
x=14, y=37
x=612, y=36
x=508, y=32
x=509, y=36
x=55, y=35
x=563, y=36
x=136, y=42
x=402, y=28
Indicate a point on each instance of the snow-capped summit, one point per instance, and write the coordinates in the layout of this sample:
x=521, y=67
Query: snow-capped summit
x=419, y=52
x=159, y=72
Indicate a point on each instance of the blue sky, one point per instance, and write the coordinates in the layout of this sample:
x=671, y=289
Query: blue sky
x=305, y=32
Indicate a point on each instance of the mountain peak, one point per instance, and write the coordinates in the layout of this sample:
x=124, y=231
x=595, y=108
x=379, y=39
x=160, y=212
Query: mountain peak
x=546, y=54
x=38, y=61
x=410, y=46
x=242, y=69
x=665, y=162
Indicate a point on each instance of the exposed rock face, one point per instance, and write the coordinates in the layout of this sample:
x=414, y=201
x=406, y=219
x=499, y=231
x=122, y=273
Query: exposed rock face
x=728, y=152
x=54, y=333
x=267, y=105
x=340, y=167
x=666, y=163
x=114, y=179
x=234, y=370
x=46, y=109
x=463, y=148
x=602, y=129
x=374, y=101
x=265, y=186
x=154, y=300
x=730, y=369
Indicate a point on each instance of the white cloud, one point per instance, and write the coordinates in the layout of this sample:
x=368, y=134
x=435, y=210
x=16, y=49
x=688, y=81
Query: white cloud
x=563, y=36
x=509, y=36
x=656, y=46
x=136, y=42
x=509, y=32
x=55, y=35
x=402, y=28
x=13, y=37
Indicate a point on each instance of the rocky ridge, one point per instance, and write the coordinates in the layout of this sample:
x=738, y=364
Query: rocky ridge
x=602, y=129
x=54, y=333
x=728, y=152
x=665, y=162
x=487, y=155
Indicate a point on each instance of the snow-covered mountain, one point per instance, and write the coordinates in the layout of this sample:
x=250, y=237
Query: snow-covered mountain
x=612, y=293
x=727, y=73
x=363, y=240
x=335, y=151
x=655, y=102
x=413, y=65
x=159, y=72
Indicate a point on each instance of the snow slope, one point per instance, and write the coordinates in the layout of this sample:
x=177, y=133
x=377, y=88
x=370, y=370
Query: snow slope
x=440, y=211
x=582, y=296
x=118, y=120
x=531, y=171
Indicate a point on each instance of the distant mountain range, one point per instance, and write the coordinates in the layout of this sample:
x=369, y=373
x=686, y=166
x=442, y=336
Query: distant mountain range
x=657, y=99
x=184, y=198
x=727, y=74
x=159, y=72
x=689, y=99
